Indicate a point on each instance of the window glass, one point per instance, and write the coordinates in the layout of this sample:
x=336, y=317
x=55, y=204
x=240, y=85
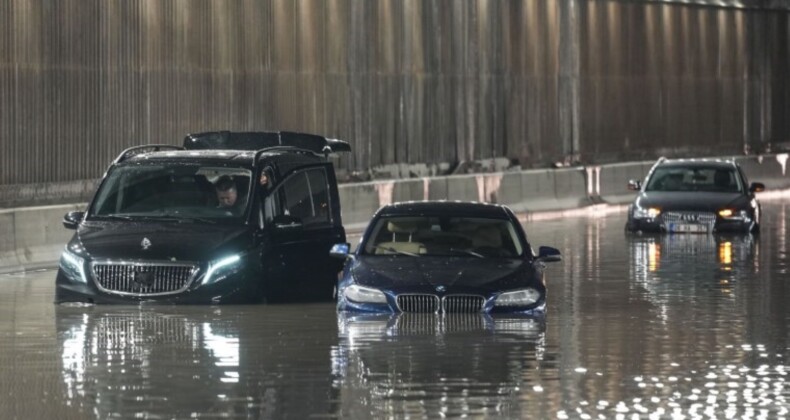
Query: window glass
x=304, y=196
x=172, y=192
x=444, y=236
x=694, y=179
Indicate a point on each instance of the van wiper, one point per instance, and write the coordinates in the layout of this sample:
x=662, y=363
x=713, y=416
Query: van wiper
x=197, y=219
x=112, y=217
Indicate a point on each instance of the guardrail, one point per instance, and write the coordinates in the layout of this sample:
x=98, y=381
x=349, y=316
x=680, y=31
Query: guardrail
x=33, y=237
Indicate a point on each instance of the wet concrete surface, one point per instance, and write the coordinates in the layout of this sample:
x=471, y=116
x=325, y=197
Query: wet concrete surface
x=645, y=326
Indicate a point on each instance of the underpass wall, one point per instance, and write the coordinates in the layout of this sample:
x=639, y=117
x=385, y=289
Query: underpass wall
x=33, y=237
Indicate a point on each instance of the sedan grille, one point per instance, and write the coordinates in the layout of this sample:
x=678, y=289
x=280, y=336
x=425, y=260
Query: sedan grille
x=690, y=217
x=463, y=304
x=418, y=303
x=143, y=279
x=447, y=304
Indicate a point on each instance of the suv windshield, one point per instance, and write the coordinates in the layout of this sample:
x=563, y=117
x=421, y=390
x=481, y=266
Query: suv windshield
x=444, y=236
x=698, y=179
x=173, y=191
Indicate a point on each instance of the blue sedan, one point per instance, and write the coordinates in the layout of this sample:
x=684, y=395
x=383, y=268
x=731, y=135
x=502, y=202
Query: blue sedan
x=443, y=257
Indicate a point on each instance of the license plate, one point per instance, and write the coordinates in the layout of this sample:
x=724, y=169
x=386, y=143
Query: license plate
x=687, y=228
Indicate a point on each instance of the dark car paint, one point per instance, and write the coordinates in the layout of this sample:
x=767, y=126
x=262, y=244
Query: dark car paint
x=283, y=264
x=696, y=201
x=465, y=275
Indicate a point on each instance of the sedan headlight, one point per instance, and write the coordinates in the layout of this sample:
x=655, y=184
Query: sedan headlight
x=522, y=297
x=73, y=266
x=734, y=215
x=646, y=213
x=222, y=268
x=361, y=294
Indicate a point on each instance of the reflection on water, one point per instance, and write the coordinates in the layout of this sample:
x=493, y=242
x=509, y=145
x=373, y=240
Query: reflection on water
x=191, y=362
x=427, y=364
x=683, y=326
x=662, y=263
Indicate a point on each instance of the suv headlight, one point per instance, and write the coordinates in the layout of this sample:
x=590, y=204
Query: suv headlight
x=523, y=297
x=222, y=268
x=361, y=294
x=73, y=266
x=646, y=213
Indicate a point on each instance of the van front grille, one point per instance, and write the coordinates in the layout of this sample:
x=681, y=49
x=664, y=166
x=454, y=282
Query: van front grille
x=143, y=278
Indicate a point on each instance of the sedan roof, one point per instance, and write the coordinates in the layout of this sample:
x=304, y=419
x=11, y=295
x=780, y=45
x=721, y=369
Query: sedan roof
x=449, y=208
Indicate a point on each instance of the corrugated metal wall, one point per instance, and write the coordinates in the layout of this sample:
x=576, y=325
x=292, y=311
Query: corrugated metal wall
x=404, y=81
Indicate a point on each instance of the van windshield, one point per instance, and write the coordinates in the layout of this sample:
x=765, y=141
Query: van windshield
x=175, y=192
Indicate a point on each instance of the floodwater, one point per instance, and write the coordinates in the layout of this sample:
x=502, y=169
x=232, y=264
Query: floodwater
x=637, y=327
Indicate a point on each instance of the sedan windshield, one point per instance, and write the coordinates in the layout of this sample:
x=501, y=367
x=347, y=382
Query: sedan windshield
x=173, y=192
x=698, y=179
x=444, y=236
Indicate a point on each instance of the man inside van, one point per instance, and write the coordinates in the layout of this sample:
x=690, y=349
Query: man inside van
x=226, y=193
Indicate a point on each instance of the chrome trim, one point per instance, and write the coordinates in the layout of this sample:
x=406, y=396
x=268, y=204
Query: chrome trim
x=428, y=303
x=193, y=274
x=467, y=304
x=418, y=303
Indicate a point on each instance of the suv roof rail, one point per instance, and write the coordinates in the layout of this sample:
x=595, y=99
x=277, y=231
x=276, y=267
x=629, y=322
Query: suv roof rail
x=260, y=140
x=661, y=159
x=126, y=154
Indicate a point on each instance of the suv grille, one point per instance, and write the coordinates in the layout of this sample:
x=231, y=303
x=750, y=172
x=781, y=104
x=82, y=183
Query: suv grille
x=143, y=279
x=448, y=304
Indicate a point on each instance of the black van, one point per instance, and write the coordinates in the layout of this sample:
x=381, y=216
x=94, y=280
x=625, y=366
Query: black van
x=227, y=218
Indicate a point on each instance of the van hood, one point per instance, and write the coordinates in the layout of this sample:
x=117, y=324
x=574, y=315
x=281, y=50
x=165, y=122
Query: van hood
x=161, y=241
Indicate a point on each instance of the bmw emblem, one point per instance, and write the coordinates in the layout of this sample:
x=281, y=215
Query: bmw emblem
x=146, y=243
x=440, y=289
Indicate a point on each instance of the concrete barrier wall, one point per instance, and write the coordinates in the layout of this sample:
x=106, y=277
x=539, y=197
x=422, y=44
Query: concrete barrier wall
x=34, y=237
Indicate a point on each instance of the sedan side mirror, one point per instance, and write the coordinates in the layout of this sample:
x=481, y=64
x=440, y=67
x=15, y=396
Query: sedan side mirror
x=549, y=254
x=634, y=185
x=757, y=187
x=72, y=219
x=340, y=251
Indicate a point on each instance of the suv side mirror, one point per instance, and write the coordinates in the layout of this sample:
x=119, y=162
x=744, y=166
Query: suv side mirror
x=340, y=251
x=634, y=185
x=72, y=219
x=756, y=187
x=549, y=254
x=286, y=221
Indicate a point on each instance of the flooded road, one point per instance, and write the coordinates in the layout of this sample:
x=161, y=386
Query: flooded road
x=637, y=327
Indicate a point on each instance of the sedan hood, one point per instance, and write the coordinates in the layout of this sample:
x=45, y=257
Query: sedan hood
x=691, y=201
x=165, y=241
x=403, y=273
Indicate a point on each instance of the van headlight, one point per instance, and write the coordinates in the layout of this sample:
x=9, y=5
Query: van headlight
x=361, y=294
x=523, y=297
x=73, y=266
x=222, y=268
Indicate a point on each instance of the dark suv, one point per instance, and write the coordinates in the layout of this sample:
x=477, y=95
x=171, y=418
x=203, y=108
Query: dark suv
x=694, y=196
x=227, y=218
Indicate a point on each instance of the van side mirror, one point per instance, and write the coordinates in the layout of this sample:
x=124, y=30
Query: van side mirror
x=549, y=254
x=72, y=219
x=634, y=185
x=757, y=187
x=340, y=251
